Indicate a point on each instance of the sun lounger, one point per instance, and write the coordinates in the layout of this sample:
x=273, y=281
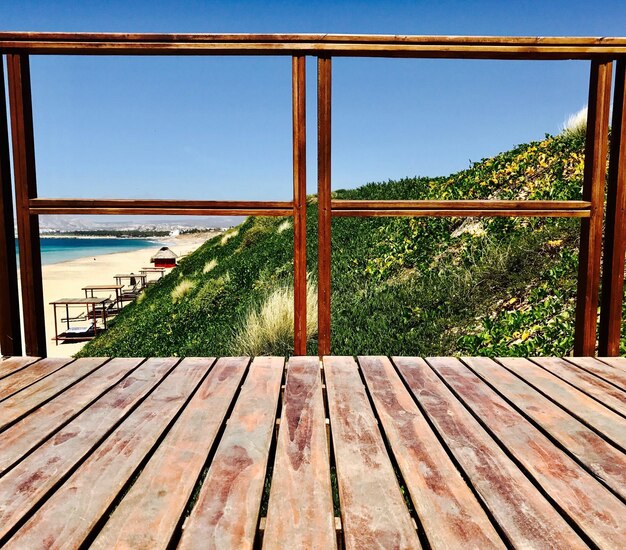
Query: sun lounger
x=79, y=317
x=80, y=331
x=132, y=293
x=110, y=307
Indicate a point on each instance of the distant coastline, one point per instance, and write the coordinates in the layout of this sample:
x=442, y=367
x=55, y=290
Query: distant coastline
x=56, y=249
x=59, y=246
x=86, y=237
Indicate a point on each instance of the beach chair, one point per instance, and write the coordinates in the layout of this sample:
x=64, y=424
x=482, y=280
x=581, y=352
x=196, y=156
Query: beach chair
x=133, y=292
x=109, y=307
x=77, y=332
x=78, y=317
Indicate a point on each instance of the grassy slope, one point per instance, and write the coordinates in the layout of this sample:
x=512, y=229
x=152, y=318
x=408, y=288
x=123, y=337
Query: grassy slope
x=403, y=286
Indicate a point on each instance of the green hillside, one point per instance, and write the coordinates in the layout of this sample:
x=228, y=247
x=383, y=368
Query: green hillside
x=400, y=285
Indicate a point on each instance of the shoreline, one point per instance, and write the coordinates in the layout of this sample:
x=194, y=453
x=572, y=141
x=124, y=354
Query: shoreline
x=164, y=242
x=86, y=237
x=65, y=279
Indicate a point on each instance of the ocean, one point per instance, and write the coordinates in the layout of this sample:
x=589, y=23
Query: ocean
x=61, y=249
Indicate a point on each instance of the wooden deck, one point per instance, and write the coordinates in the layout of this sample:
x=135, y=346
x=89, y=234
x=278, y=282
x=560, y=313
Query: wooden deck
x=379, y=453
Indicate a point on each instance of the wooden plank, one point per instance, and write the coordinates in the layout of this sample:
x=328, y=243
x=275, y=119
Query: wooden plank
x=602, y=459
x=521, y=511
x=602, y=391
x=597, y=511
x=149, y=513
x=617, y=362
x=34, y=477
x=373, y=512
x=227, y=511
x=447, y=508
x=35, y=428
x=68, y=516
x=10, y=322
x=300, y=507
x=605, y=371
x=26, y=377
x=477, y=204
x=11, y=365
x=603, y=420
x=589, y=257
x=28, y=399
x=615, y=236
x=25, y=189
x=324, y=105
x=298, y=85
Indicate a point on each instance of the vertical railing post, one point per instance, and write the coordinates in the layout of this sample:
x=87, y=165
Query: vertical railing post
x=10, y=324
x=589, y=258
x=615, y=230
x=299, y=203
x=25, y=189
x=324, y=75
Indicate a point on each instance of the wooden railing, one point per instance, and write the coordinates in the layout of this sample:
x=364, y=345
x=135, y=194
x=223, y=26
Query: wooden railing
x=601, y=52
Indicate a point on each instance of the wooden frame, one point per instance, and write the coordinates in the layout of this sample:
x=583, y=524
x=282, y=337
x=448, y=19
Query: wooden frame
x=26, y=189
x=324, y=212
x=615, y=230
x=589, y=258
x=299, y=204
x=600, y=51
x=10, y=323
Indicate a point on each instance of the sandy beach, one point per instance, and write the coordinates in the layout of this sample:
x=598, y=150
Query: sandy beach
x=65, y=279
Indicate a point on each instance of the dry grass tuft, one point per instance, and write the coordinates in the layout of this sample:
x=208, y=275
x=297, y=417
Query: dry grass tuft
x=268, y=329
x=210, y=266
x=576, y=124
x=182, y=289
x=228, y=236
x=283, y=226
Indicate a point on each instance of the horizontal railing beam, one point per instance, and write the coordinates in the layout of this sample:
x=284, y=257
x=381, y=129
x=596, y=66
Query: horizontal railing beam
x=461, y=213
x=26, y=36
x=315, y=49
x=44, y=206
x=479, y=204
x=469, y=47
x=277, y=212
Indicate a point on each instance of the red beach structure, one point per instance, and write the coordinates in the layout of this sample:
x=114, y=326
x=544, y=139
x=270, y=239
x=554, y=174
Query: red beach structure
x=164, y=258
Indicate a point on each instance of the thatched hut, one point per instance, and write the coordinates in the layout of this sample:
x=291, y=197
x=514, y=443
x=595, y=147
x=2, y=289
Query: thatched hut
x=164, y=258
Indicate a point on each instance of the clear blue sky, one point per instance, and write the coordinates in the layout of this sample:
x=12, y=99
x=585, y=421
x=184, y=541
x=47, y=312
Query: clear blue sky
x=220, y=128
